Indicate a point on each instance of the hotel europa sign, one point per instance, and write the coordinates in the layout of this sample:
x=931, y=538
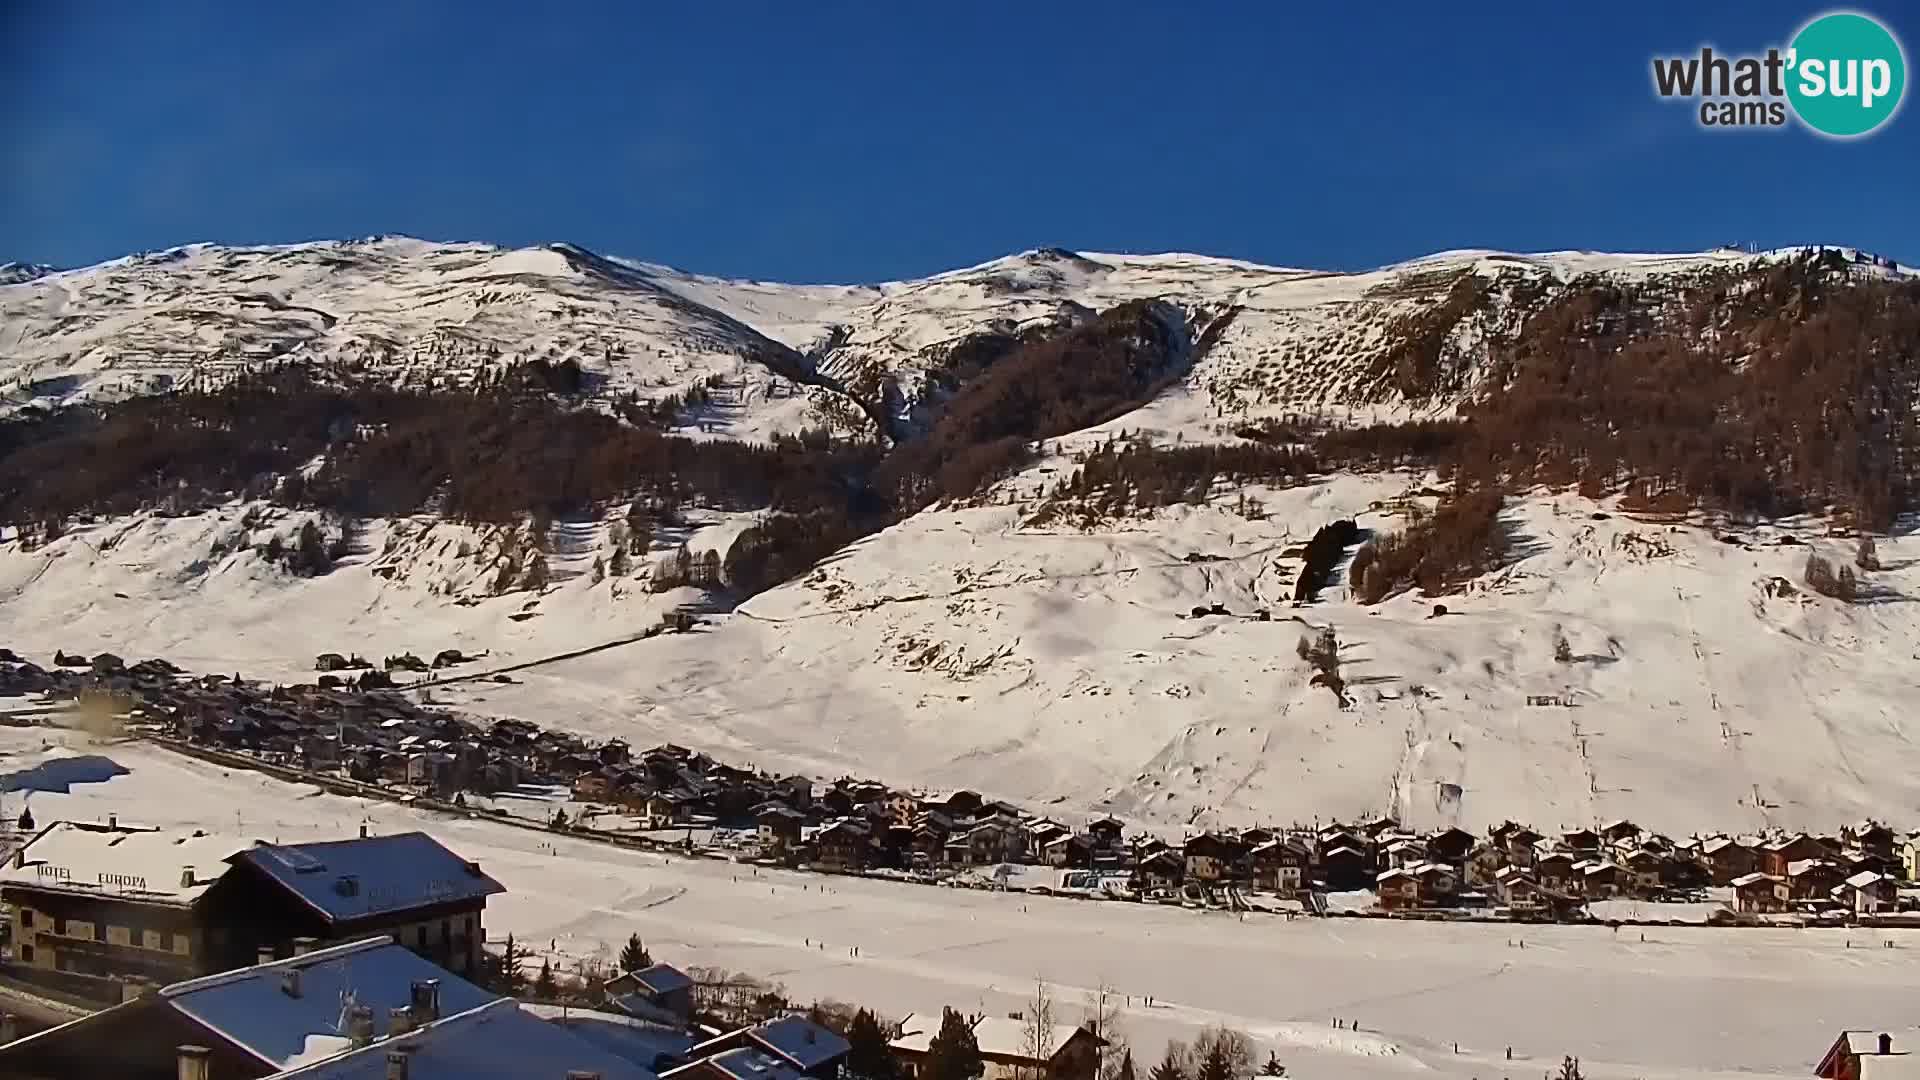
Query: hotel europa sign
x=111, y=880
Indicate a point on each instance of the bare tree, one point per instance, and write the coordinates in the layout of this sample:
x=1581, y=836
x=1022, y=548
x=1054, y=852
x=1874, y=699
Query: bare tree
x=1036, y=1032
x=1103, y=1019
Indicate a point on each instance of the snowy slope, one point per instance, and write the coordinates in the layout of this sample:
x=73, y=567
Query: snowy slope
x=1047, y=664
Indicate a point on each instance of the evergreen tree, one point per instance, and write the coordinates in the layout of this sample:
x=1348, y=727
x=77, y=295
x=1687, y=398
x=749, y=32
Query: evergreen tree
x=634, y=956
x=512, y=966
x=621, y=564
x=313, y=550
x=954, y=1054
x=1125, y=1071
x=544, y=986
x=868, y=1057
x=1570, y=1070
x=1273, y=1066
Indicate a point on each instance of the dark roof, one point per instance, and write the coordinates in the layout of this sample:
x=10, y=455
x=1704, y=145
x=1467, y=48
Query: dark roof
x=373, y=875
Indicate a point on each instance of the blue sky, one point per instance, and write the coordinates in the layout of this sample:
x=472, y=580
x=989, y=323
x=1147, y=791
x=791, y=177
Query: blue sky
x=852, y=142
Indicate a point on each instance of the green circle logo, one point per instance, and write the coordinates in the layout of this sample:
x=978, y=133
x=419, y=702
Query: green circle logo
x=1847, y=74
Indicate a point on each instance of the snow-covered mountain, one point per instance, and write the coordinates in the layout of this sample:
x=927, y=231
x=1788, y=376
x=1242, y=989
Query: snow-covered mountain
x=1048, y=660
x=785, y=356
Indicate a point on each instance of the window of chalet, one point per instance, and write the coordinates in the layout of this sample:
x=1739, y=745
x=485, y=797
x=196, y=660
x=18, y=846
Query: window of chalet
x=59, y=924
x=26, y=954
x=26, y=916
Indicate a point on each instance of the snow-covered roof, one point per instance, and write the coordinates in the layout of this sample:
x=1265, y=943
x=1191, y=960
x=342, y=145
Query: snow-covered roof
x=637, y=1040
x=661, y=979
x=1866, y=878
x=1751, y=879
x=995, y=1035
x=370, y=875
x=251, y=1006
x=1801, y=866
x=496, y=1041
x=801, y=1041
x=742, y=1063
x=135, y=864
x=1895, y=1066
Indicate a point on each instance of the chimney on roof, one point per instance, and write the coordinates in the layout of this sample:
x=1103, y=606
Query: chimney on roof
x=19, y=857
x=304, y=945
x=360, y=1025
x=193, y=1062
x=426, y=1000
x=397, y=1065
x=290, y=981
x=1886, y=1043
x=399, y=1021
x=265, y=954
x=9, y=1028
x=113, y=821
x=186, y=877
x=363, y=830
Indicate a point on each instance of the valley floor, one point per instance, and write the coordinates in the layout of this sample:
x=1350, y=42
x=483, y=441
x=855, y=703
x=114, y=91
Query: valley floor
x=1688, y=1002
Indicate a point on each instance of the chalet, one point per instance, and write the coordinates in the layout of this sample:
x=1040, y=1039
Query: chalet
x=661, y=993
x=1403, y=853
x=1042, y=833
x=957, y=804
x=796, y=1043
x=1760, y=894
x=1813, y=879
x=1345, y=869
x=1554, y=871
x=1163, y=870
x=1727, y=858
x=1621, y=832
x=665, y=809
x=1279, y=865
x=1106, y=833
x=1521, y=846
x=1256, y=836
x=1335, y=837
x=1779, y=855
x=1910, y=857
x=1452, y=845
x=1398, y=889
x=1642, y=870
x=778, y=827
x=1007, y=1048
x=1514, y=885
x=903, y=807
x=1598, y=878
x=1069, y=849
x=1375, y=827
x=1865, y=1055
x=842, y=845
x=1213, y=857
x=1584, y=841
x=1868, y=893
x=991, y=842
x=930, y=834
